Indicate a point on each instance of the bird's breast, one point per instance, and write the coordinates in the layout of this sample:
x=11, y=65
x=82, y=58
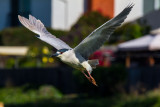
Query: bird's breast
x=73, y=59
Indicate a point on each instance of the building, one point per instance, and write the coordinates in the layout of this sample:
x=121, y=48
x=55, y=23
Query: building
x=65, y=13
x=9, y=9
x=105, y=7
x=113, y=7
x=58, y=14
x=62, y=14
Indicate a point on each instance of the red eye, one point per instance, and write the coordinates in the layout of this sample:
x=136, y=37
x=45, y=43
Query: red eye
x=61, y=52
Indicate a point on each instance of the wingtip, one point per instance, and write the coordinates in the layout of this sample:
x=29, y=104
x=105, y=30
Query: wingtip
x=130, y=5
x=30, y=15
x=19, y=17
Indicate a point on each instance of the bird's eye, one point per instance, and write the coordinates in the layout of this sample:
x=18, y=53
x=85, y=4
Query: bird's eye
x=61, y=52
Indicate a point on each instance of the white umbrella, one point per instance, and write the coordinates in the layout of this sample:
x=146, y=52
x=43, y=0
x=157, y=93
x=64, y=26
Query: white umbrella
x=155, y=44
x=148, y=42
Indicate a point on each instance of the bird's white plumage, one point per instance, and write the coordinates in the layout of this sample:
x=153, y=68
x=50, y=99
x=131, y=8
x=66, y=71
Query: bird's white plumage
x=37, y=27
x=75, y=60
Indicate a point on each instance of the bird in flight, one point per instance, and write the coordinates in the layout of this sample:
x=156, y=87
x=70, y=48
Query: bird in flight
x=78, y=57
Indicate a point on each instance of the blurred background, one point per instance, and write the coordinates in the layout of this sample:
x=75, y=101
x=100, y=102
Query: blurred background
x=129, y=70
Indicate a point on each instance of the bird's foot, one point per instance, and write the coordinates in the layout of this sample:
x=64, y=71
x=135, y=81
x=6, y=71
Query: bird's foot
x=90, y=78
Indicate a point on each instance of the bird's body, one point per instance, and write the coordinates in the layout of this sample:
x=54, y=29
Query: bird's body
x=77, y=57
x=75, y=60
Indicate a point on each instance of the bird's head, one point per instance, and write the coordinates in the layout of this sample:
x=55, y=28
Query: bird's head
x=59, y=52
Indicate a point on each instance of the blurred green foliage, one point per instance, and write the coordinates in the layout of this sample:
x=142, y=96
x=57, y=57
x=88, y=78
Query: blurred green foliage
x=10, y=63
x=90, y=21
x=34, y=58
x=21, y=95
x=84, y=26
x=48, y=96
x=21, y=36
x=129, y=31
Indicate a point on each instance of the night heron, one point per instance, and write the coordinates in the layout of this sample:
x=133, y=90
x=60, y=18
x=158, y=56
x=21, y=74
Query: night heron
x=78, y=57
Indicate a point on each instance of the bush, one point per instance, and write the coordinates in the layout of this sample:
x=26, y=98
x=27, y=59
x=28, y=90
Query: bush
x=84, y=26
x=129, y=31
x=49, y=96
x=21, y=95
x=21, y=36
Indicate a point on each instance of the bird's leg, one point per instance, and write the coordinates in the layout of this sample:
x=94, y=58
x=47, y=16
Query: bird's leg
x=86, y=75
x=90, y=78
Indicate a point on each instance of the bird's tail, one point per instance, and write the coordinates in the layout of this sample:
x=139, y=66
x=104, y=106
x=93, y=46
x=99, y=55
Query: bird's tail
x=93, y=63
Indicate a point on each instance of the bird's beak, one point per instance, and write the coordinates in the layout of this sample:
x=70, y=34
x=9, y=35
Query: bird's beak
x=54, y=55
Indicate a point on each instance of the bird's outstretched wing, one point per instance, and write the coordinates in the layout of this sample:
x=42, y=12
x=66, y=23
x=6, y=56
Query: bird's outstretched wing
x=37, y=27
x=97, y=38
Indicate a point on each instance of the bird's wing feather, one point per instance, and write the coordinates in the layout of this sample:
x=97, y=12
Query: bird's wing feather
x=37, y=27
x=101, y=34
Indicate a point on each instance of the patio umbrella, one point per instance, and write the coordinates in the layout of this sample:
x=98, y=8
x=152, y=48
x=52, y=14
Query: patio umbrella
x=148, y=42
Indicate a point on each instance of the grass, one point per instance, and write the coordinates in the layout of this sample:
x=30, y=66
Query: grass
x=49, y=96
